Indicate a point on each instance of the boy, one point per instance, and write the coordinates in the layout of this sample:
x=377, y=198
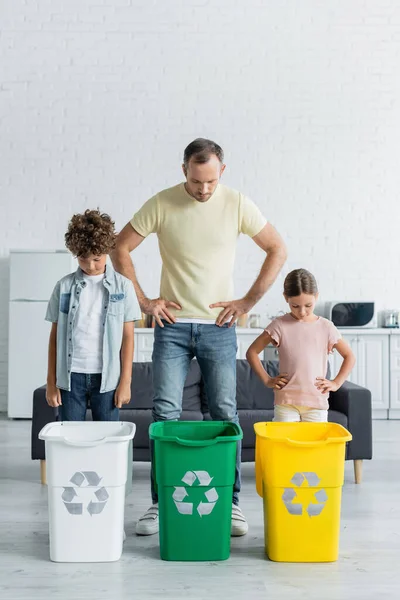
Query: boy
x=91, y=339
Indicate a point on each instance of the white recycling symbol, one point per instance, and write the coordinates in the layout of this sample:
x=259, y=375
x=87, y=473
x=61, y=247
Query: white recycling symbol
x=289, y=495
x=85, y=479
x=203, y=508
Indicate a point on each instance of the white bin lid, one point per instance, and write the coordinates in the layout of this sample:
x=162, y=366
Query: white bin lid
x=88, y=433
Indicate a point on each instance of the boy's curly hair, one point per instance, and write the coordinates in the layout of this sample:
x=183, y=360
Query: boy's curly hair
x=92, y=232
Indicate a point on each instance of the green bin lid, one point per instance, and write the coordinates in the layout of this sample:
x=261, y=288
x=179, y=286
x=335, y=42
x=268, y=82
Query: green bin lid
x=195, y=433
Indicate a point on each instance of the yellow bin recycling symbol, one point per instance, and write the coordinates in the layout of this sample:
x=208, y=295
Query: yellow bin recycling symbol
x=315, y=506
x=299, y=475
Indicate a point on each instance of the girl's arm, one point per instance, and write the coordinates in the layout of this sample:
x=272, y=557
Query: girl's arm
x=252, y=356
x=53, y=394
x=349, y=360
x=123, y=391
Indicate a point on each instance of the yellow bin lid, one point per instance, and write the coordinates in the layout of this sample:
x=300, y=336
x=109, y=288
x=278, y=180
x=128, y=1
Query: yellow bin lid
x=303, y=434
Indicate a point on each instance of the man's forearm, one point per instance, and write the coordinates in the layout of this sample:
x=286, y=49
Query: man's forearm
x=268, y=274
x=123, y=264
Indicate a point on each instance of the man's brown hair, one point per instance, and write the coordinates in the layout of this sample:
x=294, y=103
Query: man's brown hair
x=201, y=150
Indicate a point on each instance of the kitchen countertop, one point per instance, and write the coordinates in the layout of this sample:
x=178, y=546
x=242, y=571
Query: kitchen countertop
x=256, y=330
x=345, y=330
x=369, y=331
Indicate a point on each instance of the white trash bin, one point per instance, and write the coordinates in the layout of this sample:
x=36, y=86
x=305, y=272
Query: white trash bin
x=87, y=467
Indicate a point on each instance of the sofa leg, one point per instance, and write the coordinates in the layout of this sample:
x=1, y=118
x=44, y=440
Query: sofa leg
x=43, y=479
x=358, y=470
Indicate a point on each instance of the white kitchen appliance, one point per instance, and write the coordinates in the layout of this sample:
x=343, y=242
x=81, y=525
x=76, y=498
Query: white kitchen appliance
x=353, y=314
x=33, y=275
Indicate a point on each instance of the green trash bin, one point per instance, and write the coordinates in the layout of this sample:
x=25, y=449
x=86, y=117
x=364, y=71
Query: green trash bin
x=194, y=463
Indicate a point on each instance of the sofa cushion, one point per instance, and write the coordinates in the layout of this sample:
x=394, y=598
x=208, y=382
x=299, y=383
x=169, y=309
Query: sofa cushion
x=247, y=418
x=143, y=419
x=337, y=417
x=251, y=393
x=142, y=388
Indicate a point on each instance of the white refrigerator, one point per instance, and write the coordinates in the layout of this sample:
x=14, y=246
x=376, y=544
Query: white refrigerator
x=33, y=275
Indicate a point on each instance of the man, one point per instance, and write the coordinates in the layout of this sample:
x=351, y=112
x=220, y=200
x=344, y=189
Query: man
x=197, y=224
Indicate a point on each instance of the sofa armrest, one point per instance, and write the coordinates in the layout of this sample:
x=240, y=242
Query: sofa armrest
x=42, y=414
x=355, y=402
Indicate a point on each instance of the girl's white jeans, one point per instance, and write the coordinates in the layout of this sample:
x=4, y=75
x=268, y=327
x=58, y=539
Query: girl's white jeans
x=292, y=414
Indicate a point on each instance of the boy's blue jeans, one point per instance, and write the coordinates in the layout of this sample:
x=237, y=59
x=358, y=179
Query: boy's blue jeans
x=85, y=391
x=215, y=350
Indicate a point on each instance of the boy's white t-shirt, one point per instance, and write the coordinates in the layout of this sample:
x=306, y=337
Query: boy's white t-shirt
x=87, y=333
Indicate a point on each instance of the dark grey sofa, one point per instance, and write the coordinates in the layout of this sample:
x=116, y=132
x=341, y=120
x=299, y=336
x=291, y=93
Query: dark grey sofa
x=350, y=406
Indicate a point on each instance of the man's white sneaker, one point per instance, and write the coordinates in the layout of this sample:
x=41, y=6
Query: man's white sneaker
x=239, y=524
x=148, y=523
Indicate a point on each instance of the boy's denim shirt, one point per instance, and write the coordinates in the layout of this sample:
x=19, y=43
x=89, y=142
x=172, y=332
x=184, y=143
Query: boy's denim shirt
x=121, y=306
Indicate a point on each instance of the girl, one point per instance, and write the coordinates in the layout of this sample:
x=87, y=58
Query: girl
x=304, y=341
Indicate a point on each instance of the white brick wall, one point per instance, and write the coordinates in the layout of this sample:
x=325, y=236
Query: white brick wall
x=99, y=98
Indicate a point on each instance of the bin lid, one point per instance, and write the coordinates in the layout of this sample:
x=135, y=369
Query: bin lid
x=88, y=433
x=196, y=433
x=303, y=434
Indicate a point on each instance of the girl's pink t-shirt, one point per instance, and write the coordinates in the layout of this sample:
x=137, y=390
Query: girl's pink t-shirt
x=303, y=354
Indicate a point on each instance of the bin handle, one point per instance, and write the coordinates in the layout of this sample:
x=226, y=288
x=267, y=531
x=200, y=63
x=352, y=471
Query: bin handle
x=83, y=443
x=195, y=442
x=306, y=444
x=312, y=444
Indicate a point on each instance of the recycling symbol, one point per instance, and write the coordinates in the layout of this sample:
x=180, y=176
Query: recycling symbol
x=200, y=478
x=85, y=479
x=289, y=495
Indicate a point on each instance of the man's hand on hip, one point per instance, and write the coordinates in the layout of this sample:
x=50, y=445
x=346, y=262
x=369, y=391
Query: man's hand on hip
x=159, y=309
x=232, y=310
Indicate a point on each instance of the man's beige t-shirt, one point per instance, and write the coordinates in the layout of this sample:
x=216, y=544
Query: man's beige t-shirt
x=197, y=243
x=303, y=350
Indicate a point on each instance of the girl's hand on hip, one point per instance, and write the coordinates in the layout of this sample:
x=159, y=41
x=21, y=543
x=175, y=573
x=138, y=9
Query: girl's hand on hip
x=325, y=385
x=278, y=382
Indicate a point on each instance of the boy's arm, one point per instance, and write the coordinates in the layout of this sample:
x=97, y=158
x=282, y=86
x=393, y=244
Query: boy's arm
x=349, y=360
x=252, y=356
x=53, y=394
x=123, y=391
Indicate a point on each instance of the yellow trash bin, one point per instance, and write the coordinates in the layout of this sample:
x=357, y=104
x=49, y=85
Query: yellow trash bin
x=299, y=475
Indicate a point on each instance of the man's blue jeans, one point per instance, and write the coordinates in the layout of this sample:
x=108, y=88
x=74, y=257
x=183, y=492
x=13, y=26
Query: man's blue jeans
x=215, y=350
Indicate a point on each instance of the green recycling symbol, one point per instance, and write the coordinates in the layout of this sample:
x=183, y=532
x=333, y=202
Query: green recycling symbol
x=85, y=479
x=201, y=478
x=289, y=495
